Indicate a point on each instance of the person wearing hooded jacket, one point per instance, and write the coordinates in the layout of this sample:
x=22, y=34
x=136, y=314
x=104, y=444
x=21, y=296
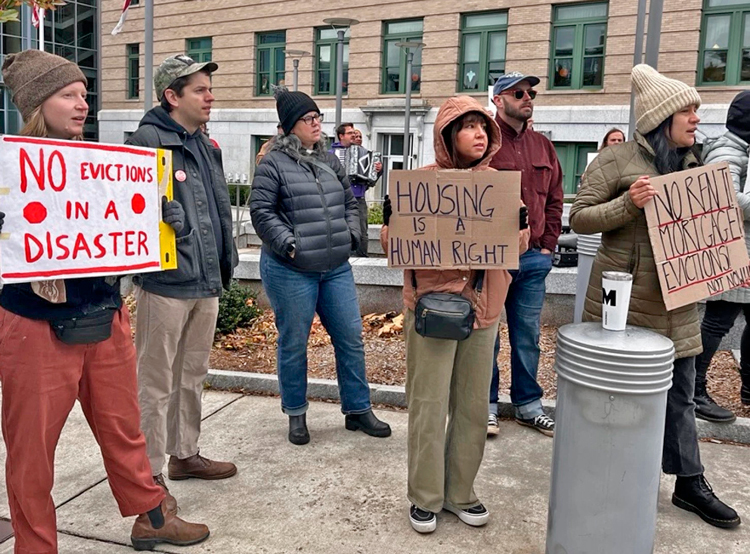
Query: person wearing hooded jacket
x=722, y=310
x=614, y=190
x=303, y=209
x=177, y=309
x=449, y=378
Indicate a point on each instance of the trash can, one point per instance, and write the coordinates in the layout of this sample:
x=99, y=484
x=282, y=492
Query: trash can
x=588, y=245
x=606, y=465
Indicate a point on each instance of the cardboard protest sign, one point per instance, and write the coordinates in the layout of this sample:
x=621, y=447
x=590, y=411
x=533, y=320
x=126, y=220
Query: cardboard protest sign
x=454, y=219
x=697, y=235
x=79, y=209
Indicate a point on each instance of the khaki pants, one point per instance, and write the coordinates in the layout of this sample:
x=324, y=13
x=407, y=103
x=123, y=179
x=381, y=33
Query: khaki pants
x=446, y=378
x=173, y=337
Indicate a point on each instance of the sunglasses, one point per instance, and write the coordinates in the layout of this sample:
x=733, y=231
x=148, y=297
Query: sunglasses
x=518, y=94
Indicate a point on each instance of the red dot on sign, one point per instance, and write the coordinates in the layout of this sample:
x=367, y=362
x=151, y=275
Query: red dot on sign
x=35, y=212
x=138, y=203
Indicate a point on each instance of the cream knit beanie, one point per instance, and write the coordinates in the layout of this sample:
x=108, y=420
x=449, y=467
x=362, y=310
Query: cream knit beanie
x=657, y=97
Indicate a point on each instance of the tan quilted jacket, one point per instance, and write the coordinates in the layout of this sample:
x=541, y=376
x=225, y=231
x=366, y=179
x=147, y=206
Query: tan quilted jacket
x=603, y=205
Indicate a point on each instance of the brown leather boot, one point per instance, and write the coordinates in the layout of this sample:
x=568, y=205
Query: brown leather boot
x=198, y=467
x=170, y=501
x=175, y=531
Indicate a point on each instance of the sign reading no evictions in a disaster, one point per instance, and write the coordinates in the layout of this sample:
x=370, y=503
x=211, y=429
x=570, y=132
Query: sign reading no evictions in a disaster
x=77, y=209
x=697, y=235
x=454, y=219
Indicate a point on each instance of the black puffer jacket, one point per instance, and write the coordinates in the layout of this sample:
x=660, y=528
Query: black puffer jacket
x=294, y=201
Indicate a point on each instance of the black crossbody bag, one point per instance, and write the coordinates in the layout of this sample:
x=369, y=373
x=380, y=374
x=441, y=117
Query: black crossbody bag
x=86, y=329
x=441, y=315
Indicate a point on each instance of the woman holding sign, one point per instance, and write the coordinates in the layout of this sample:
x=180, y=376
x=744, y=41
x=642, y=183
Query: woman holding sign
x=64, y=340
x=450, y=377
x=614, y=190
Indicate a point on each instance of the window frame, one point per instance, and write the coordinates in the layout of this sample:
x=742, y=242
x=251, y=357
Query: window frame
x=199, y=54
x=133, y=54
x=399, y=37
x=333, y=43
x=484, y=48
x=738, y=14
x=272, y=48
x=579, y=53
x=569, y=163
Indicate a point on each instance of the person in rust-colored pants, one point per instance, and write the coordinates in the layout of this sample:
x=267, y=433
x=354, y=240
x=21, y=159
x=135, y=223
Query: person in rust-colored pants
x=41, y=379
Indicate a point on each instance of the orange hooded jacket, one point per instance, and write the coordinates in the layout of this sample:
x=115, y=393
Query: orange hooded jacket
x=490, y=303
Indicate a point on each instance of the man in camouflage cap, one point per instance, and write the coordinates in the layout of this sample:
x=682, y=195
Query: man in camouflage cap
x=177, y=309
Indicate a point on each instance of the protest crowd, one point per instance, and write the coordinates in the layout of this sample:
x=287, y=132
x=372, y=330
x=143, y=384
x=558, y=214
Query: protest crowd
x=68, y=339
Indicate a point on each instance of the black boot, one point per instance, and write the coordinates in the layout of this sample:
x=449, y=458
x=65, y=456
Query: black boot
x=694, y=494
x=368, y=423
x=706, y=408
x=745, y=389
x=298, y=429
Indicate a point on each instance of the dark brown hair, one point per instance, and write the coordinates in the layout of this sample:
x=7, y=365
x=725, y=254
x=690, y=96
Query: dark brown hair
x=178, y=86
x=452, y=130
x=612, y=131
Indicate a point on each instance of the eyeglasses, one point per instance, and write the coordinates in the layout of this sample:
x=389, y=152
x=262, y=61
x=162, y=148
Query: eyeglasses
x=310, y=119
x=518, y=94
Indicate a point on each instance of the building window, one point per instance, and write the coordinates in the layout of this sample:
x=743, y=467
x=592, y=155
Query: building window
x=200, y=49
x=483, y=39
x=134, y=70
x=578, y=37
x=326, y=60
x=573, y=160
x=269, y=61
x=394, y=58
x=725, y=43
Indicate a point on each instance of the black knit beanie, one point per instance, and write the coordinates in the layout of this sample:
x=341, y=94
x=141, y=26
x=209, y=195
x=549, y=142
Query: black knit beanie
x=738, y=116
x=291, y=106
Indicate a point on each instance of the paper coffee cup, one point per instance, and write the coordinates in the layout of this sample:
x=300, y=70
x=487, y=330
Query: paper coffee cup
x=616, y=288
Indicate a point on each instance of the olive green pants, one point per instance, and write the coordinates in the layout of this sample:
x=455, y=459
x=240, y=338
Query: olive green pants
x=446, y=379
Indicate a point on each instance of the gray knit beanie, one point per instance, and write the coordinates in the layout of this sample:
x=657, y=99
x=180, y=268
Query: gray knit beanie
x=657, y=97
x=33, y=76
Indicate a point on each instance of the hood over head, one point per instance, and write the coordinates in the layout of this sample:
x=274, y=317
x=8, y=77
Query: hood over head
x=738, y=116
x=452, y=109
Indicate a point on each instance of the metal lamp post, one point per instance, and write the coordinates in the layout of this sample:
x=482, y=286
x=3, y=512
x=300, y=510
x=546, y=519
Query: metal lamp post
x=340, y=25
x=296, y=56
x=410, y=49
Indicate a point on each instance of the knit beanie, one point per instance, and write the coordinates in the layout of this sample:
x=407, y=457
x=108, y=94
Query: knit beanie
x=33, y=76
x=657, y=97
x=738, y=116
x=291, y=106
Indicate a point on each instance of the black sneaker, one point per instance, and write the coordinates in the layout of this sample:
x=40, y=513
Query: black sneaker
x=475, y=516
x=694, y=494
x=706, y=408
x=421, y=520
x=542, y=423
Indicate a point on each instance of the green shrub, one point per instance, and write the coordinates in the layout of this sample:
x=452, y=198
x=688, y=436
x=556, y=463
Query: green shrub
x=237, y=308
x=375, y=215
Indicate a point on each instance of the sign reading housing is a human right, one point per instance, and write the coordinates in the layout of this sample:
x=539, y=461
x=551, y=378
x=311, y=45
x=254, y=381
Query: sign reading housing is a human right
x=697, y=235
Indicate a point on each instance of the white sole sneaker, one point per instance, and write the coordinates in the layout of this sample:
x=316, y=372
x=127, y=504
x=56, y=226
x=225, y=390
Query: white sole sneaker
x=423, y=526
x=493, y=430
x=468, y=519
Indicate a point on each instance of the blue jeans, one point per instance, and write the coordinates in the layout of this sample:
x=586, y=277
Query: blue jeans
x=523, y=310
x=295, y=297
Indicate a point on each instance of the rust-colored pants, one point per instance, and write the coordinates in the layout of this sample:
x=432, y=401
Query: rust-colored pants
x=41, y=379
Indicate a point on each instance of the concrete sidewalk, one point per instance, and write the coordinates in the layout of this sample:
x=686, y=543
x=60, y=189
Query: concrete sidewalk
x=344, y=493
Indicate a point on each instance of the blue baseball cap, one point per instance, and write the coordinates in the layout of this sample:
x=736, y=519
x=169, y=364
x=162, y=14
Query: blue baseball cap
x=510, y=79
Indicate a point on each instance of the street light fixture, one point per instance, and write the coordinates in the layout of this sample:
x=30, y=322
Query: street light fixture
x=296, y=56
x=410, y=47
x=340, y=25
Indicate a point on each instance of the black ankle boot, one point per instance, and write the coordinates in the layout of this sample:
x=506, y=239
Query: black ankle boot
x=368, y=423
x=298, y=429
x=694, y=494
x=745, y=389
x=706, y=408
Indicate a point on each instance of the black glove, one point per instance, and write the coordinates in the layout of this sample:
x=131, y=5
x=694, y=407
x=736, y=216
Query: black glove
x=2, y=220
x=387, y=210
x=172, y=214
x=523, y=221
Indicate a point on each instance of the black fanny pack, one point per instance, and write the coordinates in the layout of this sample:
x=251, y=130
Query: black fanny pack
x=87, y=329
x=441, y=315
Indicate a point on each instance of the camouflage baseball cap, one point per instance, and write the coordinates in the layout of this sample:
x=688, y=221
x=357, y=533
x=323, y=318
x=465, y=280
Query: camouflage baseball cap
x=175, y=67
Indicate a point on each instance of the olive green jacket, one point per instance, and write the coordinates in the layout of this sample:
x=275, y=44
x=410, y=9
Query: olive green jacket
x=603, y=205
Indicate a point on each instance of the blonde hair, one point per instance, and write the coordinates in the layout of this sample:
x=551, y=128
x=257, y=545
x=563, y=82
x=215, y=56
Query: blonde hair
x=36, y=126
